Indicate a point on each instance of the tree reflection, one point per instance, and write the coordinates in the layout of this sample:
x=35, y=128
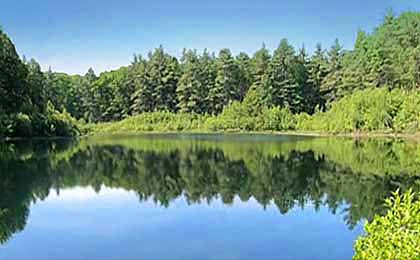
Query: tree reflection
x=287, y=174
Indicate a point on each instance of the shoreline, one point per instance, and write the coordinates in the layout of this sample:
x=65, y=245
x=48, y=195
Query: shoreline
x=354, y=135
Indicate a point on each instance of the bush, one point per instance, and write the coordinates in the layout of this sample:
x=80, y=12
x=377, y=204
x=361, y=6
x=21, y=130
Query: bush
x=153, y=121
x=367, y=110
x=394, y=236
x=53, y=123
x=60, y=123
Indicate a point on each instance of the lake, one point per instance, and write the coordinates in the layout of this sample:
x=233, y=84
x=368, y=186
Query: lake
x=182, y=196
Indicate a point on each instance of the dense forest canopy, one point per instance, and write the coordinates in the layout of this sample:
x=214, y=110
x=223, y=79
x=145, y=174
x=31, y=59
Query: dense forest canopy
x=40, y=103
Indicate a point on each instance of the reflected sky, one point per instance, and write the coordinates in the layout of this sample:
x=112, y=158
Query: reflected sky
x=196, y=196
x=78, y=223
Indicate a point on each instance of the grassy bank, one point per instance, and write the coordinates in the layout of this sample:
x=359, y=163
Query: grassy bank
x=371, y=112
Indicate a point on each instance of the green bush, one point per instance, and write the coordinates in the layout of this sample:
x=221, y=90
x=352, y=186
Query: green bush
x=153, y=121
x=60, y=123
x=377, y=109
x=53, y=123
x=395, y=236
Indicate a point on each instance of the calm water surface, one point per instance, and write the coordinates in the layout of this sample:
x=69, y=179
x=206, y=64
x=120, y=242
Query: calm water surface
x=195, y=196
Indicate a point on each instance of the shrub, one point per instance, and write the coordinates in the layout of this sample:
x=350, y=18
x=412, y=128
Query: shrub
x=395, y=236
x=53, y=123
x=376, y=109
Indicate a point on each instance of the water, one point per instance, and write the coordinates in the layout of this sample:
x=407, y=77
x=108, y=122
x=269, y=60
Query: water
x=196, y=196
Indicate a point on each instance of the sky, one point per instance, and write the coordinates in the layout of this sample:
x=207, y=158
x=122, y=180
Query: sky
x=71, y=36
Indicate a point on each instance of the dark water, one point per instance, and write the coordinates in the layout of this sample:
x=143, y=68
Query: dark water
x=196, y=196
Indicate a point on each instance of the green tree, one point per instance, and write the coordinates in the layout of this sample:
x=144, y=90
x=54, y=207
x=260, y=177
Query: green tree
x=332, y=82
x=162, y=76
x=190, y=86
x=260, y=64
x=282, y=87
x=226, y=83
x=36, y=81
x=208, y=77
x=142, y=99
x=89, y=105
x=13, y=73
x=244, y=74
x=317, y=70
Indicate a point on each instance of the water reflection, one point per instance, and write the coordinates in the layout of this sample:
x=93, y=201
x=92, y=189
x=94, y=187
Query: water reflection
x=347, y=177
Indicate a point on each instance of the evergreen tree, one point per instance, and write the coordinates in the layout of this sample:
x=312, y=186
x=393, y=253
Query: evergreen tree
x=122, y=92
x=163, y=76
x=259, y=65
x=317, y=71
x=88, y=98
x=103, y=95
x=189, y=90
x=333, y=80
x=36, y=88
x=142, y=99
x=244, y=74
x=208, y=78
x=302, y=95
x=13, y=72
x=281, y=84
x=226, y=83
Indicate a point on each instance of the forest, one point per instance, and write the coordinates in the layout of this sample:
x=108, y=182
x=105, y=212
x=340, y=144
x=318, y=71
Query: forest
x=373, y=87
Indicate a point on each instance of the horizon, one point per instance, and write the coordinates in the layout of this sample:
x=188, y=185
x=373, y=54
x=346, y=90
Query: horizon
x=72, y=37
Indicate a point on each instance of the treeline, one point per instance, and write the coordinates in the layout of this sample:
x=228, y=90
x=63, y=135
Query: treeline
x=206, y=84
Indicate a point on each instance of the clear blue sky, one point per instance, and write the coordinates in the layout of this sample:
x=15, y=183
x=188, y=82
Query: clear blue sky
x=72, y=36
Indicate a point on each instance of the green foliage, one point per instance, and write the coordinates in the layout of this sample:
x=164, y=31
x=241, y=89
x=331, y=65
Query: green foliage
x=24, y=90
x=394, y=236
x=152, y=121
x=367, y=110
x=60, y=123
x=191, y=90
x=371, y=110
x=388, y=56
x=287, y=77
x=226, y=82
x=13, y=72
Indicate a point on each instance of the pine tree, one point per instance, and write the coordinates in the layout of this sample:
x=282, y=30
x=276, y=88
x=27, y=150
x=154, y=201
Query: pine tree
x=122, y=90
x=225, y=88
x=244, y=74
x=333, y=80
x=163, y=76
x=141, y=99
x=208, y=79
x=317, y=71
x=302, y=95
x=281, y=84
x=189, y=90
x=36, y=88
x=13, y=72
x=88, y=100
x=103, y=96
x=259, y=65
